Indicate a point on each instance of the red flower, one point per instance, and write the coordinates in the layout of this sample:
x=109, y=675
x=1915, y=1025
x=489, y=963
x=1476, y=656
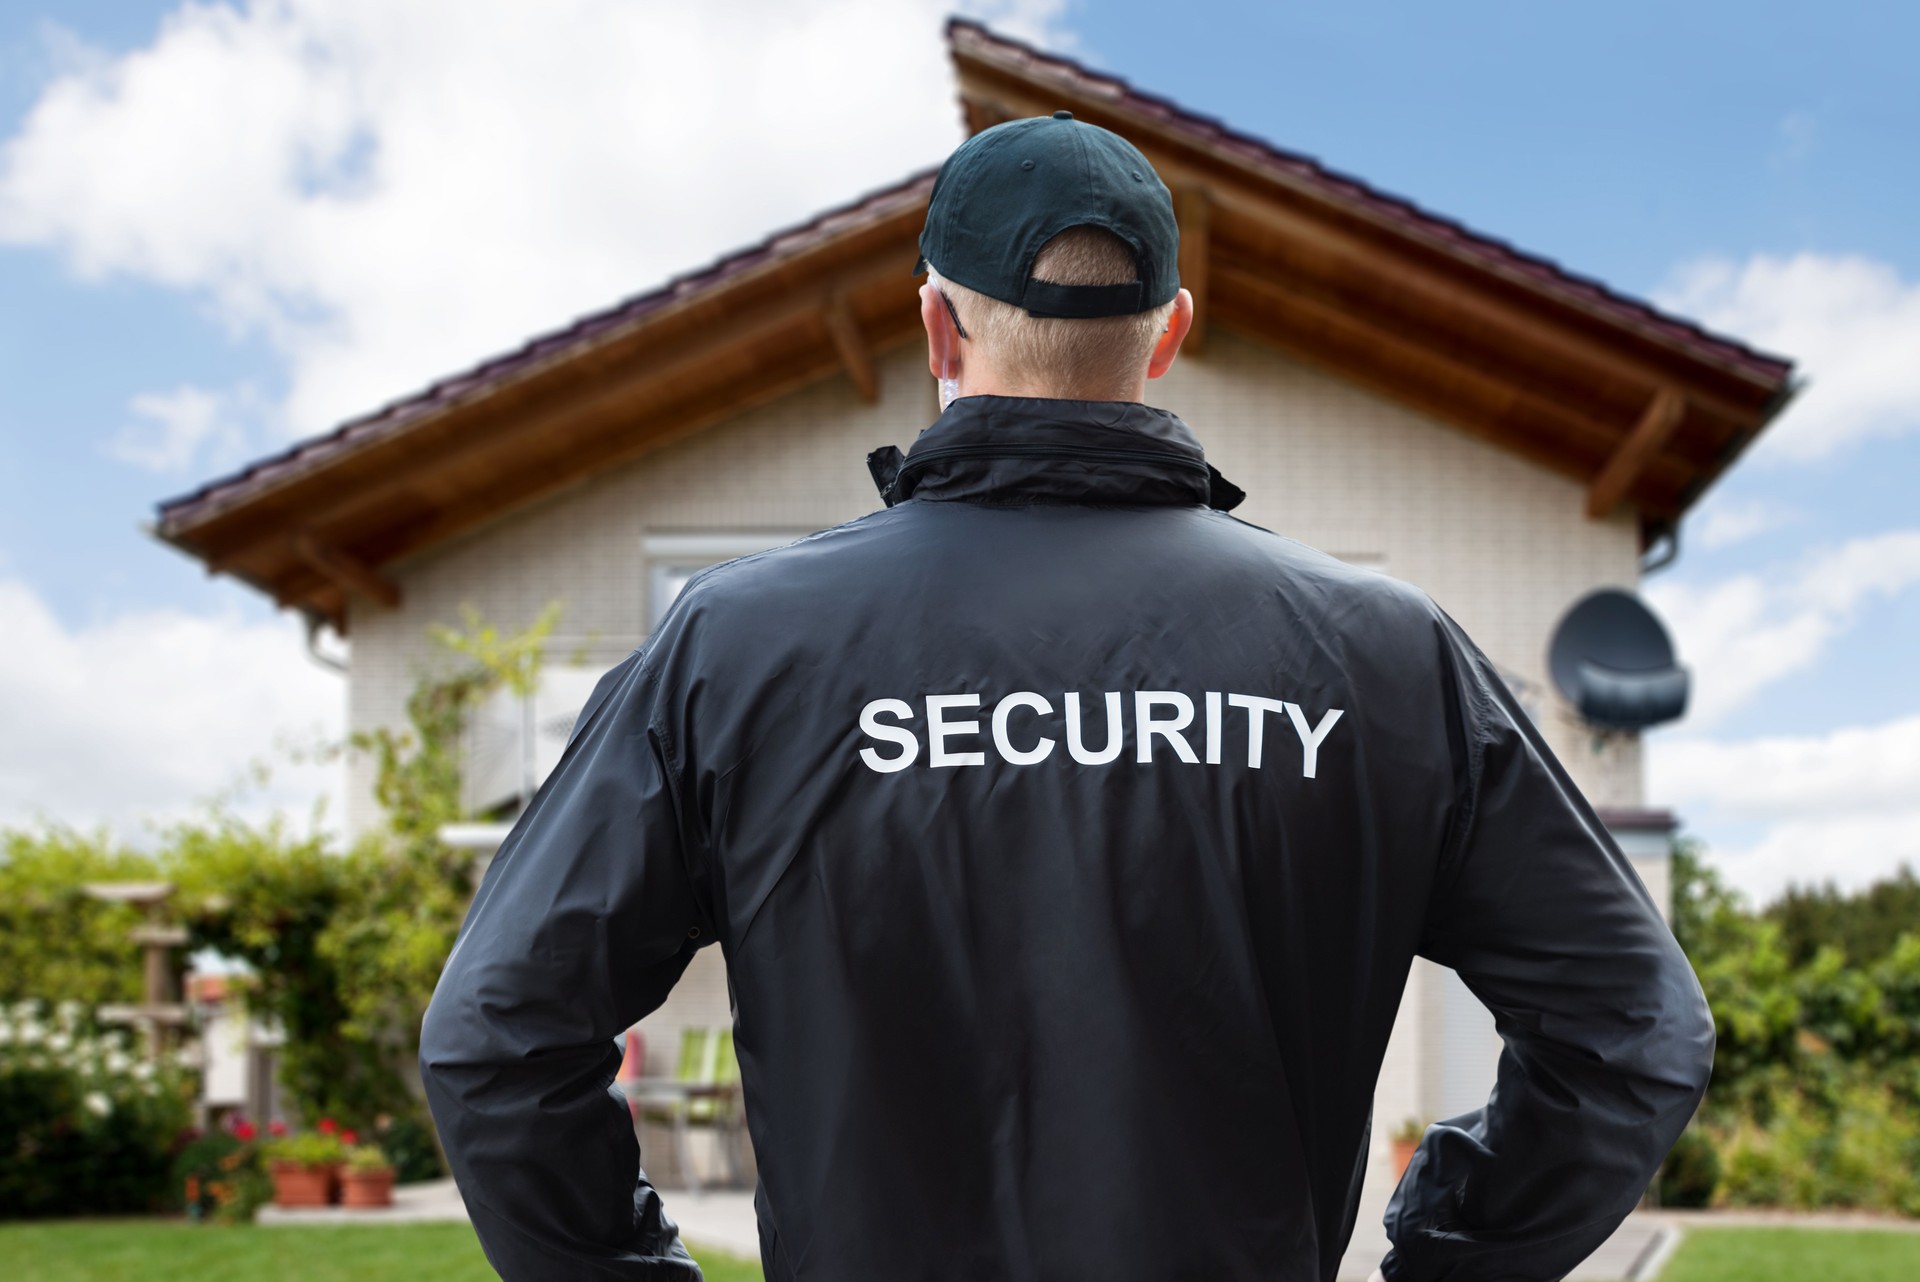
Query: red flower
x=243, y=1130
x=276, y=1128
x=349, y=1137
x=328, y=1126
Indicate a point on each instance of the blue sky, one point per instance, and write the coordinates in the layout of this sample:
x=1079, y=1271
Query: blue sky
x=220, y=229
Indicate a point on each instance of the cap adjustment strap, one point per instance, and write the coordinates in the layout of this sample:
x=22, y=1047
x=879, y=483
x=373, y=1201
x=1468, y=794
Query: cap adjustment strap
x=1046, y=298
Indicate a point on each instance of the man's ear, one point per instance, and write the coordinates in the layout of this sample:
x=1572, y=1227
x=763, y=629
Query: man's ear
x=943, y=340
x=1168, y=345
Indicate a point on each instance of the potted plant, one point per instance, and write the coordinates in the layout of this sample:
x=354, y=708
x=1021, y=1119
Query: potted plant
x=1406, y=1138
x=304, y=1166
x=366, y=1178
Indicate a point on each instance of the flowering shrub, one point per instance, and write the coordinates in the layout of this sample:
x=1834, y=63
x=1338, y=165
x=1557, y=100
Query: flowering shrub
x=85, y=1126
x=221, y=1174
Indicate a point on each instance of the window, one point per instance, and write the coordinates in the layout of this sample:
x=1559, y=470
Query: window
x=674, y=558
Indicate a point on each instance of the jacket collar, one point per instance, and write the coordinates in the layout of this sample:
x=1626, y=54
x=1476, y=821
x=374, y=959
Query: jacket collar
x=1030, y=449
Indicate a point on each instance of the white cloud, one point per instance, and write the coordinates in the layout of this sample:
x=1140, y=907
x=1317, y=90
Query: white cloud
x=1841, y=806
x=1852, y=323
x=1722, y=525
x=1742, y=634
x=1880, y=565
x=147, y=715
x=389, y=192
x=1858, y=770
x=183, y=427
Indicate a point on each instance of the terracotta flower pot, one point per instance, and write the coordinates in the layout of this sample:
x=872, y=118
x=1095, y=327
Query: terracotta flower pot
x=366, y=1188
x=295, y=1184
x=1403, y=1151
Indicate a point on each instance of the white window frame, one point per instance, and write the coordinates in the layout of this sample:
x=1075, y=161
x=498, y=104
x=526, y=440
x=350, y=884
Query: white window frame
x=682, y=553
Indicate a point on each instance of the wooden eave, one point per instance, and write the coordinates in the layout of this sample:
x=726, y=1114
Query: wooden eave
x=1643, y=409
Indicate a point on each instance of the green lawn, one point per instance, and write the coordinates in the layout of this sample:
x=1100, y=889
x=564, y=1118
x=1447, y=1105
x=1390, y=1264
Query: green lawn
x=175, y=1251
x=1796, y=1255
x=170, y=1250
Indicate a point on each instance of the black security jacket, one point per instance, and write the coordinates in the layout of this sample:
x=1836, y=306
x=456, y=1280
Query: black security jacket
x=1068, y=842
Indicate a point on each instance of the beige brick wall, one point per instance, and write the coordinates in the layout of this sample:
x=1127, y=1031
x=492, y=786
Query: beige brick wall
x=1502, y=544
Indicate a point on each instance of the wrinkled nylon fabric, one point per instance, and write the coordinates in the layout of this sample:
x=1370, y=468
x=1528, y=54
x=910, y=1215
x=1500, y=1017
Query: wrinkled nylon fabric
x=1094, y=1011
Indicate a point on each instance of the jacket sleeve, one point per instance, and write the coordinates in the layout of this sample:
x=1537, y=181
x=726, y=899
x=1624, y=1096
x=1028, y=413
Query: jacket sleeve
x=1608, y=1038
x=584, y=921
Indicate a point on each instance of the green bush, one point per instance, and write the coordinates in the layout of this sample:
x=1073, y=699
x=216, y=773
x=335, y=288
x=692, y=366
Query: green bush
x=407, y=1139
x=1874, y=1151
x=1691, y=1172
x=1860, y=1148
x=85, y=1128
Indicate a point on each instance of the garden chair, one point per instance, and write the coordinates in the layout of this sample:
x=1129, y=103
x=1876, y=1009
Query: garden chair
x=721, y=1110
x=685, y=1102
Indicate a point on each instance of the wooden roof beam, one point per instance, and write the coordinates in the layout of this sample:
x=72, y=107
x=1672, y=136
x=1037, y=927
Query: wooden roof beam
x=1636, y=453
x=854, y=353
x=1193, y=209
x=346, y=571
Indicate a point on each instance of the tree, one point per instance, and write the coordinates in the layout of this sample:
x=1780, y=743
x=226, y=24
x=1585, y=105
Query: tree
x=1863, y=926
x=57, y=943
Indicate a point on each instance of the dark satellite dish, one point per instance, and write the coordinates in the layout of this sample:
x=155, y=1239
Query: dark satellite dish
x=1613, y=661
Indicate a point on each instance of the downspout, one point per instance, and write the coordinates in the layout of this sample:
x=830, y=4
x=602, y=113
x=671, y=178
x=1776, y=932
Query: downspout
x=314, y=623
x=1664, y=552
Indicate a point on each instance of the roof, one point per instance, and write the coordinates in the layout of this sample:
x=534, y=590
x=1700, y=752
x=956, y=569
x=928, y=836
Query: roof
x=1645, y=408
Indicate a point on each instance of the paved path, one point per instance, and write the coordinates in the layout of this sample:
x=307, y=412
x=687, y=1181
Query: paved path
x=412, y=1204
x=720, y=1218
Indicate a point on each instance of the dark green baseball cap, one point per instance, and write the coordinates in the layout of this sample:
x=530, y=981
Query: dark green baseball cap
x=1010, y=189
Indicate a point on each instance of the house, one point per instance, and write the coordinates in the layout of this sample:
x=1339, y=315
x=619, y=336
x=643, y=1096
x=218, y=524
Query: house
x=1385, y=384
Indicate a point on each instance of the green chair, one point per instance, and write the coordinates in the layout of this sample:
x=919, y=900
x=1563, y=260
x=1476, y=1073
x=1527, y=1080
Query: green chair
x=707, y=1060
x=722, y=1111
x=724, y=1070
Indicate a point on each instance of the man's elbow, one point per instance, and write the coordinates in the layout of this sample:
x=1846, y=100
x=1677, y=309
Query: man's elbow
x=1680, y=1058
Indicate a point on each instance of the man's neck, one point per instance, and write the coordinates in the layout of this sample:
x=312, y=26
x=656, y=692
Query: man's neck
x=989, y=384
